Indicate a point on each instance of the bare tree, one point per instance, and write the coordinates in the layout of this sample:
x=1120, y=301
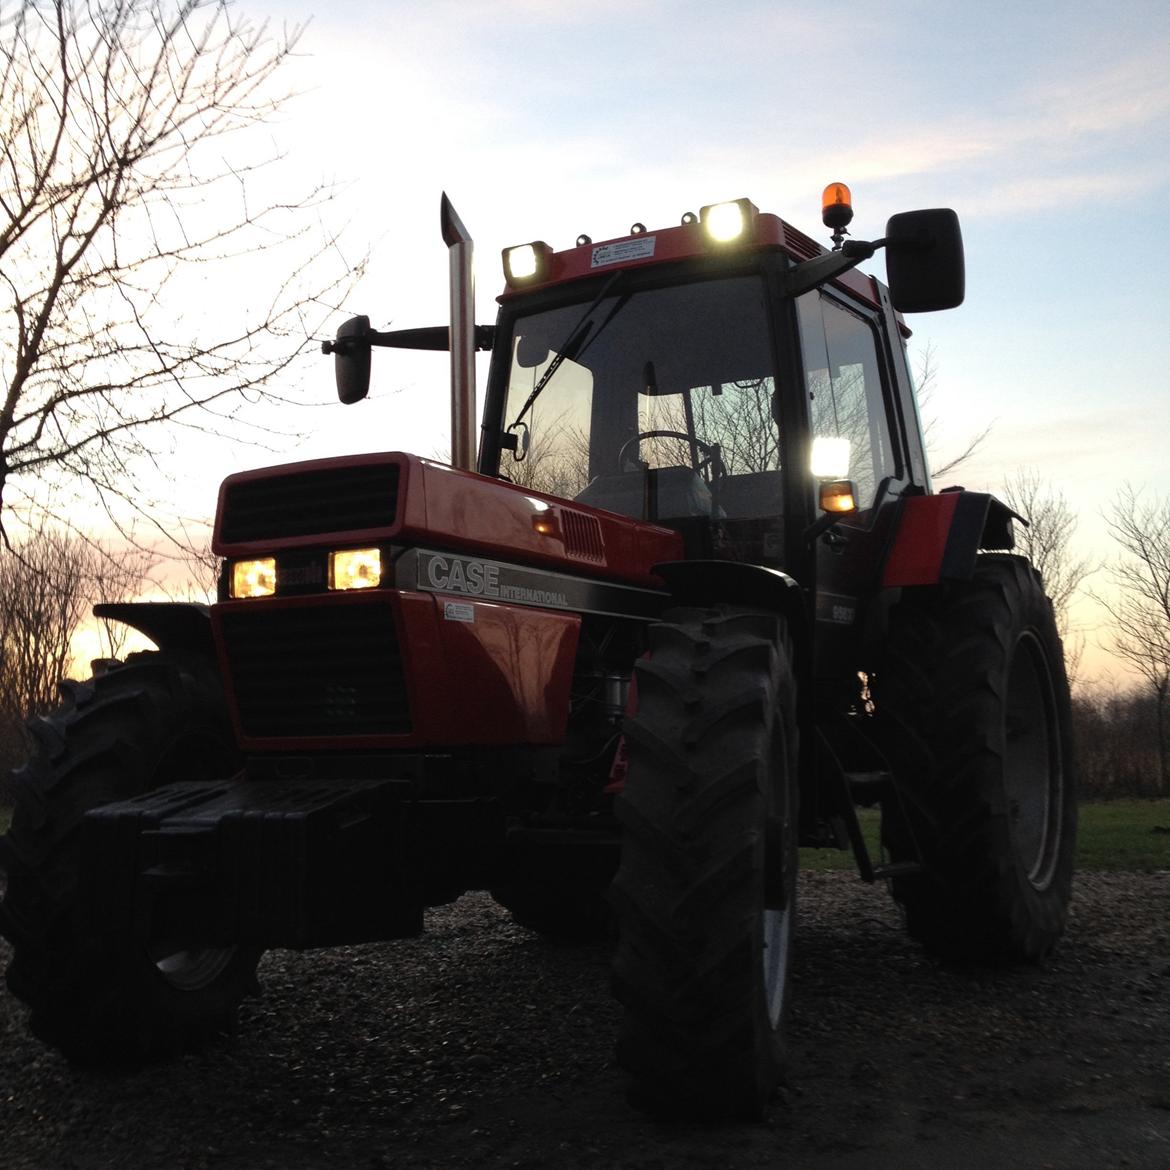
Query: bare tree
x=118, y=191
x=48, y=581
x=115, y=575
x=926, y=385
x=738, y=415
x=556, y=460
x=1047, y=543
x=1141, y=608
x=44, y=587
x=193, y=575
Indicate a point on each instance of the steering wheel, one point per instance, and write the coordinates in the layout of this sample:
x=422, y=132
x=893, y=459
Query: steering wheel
x=710, y=466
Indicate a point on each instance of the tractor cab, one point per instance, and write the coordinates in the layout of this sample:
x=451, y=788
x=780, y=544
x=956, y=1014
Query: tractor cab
x=727, y=378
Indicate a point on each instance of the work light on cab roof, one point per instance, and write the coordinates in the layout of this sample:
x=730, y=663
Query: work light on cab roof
x=724, y=223
x=526, y=263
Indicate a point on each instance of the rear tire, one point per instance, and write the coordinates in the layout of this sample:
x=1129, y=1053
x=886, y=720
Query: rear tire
x=975, y=679
x=705, y=893
x=160, y=718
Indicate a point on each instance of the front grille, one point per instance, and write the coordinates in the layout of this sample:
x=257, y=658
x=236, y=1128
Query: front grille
x=310, y=503
x=328, y=670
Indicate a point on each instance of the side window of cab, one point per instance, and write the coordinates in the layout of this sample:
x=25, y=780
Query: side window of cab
x=844, y=385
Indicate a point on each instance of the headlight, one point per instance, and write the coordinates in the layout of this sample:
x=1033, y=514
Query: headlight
x=355, y=568
x=254, y=578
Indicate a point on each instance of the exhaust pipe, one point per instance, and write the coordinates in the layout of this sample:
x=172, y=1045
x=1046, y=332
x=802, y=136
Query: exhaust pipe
x=462, y=337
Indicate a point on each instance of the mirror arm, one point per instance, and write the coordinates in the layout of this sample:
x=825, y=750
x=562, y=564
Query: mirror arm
x=434, y=337
x=822, y=524
x=809, y=274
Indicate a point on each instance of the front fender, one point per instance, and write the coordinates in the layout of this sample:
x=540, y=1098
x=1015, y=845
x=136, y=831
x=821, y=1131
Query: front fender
x=732, y=583
x=171, y=625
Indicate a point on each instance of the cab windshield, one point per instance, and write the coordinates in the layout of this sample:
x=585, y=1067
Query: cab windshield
x=658, y=404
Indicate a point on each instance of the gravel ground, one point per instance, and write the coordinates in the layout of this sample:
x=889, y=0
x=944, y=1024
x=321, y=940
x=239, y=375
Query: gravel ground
x=481, y=1045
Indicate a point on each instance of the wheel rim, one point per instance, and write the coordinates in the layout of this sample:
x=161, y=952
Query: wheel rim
x=780, y=851
x=189, y=969
x=777, y=943
x=1033, y=769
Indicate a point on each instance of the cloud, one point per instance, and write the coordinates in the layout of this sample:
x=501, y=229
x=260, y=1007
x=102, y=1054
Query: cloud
x=1046, y=144
x=1037, y=193
x=1131, y=93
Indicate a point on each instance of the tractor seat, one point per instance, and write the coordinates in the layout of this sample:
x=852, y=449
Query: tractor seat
x=658, y=493
x=756, y=495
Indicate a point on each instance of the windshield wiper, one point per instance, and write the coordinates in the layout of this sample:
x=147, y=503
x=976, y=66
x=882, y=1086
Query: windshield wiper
x=576, y=334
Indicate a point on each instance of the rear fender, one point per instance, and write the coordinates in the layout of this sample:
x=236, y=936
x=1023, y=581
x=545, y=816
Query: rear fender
x=171, y=625
x=937, y=538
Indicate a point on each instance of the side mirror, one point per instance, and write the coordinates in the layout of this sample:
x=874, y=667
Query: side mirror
x=924, y=260
x=531, y=351
x=351, y=359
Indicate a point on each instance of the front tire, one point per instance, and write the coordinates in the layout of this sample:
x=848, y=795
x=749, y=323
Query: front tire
x=705, y=893
x=158, y=719
x=975, y=680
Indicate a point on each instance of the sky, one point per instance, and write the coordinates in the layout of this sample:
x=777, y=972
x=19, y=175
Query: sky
x=1045, y=125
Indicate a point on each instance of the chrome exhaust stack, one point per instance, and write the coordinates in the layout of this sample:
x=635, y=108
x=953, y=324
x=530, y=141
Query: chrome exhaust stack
x=462, y=337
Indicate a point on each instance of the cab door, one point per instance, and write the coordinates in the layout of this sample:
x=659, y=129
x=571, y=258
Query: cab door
x=853, y=436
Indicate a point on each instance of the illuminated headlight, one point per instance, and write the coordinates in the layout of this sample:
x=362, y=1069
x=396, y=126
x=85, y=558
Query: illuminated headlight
x=526, y=262
x=355, y=568
x=254, y=578
x=725, y=222
x=830, y=457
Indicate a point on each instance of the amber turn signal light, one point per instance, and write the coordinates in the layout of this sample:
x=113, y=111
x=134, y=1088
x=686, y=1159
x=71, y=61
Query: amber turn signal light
x=838, y=496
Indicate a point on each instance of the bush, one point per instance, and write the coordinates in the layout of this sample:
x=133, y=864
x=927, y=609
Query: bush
x=13, y=751
x=1117, y=736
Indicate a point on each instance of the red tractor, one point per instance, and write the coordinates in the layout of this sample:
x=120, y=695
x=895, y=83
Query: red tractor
x=692, y=604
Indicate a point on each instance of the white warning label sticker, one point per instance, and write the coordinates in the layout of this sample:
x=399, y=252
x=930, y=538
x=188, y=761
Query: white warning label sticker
x=457, y=611
x=641, y=248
